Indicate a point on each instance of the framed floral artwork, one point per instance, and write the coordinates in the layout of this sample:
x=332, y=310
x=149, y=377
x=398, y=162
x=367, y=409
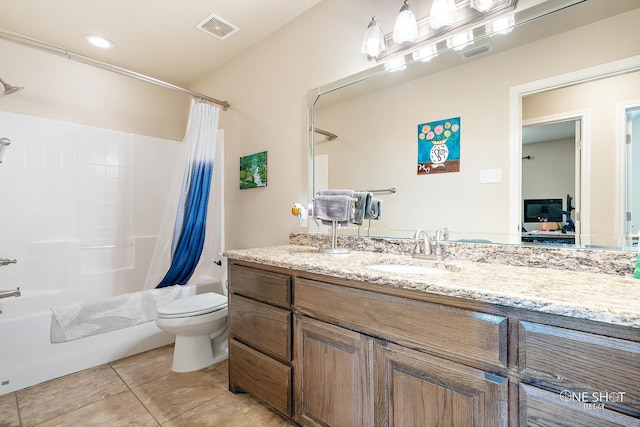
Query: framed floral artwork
x=439, y=146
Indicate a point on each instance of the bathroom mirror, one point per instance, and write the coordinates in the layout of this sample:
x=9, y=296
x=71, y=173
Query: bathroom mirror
x=375, y=116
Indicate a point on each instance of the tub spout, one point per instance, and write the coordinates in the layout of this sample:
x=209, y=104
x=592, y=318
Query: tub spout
x=10, y=293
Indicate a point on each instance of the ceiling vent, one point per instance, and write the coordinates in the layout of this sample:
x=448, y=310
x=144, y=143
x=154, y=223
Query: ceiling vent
x=476, y=51
x=217, y=27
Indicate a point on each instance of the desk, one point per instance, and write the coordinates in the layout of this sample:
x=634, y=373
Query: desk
x=549, y=237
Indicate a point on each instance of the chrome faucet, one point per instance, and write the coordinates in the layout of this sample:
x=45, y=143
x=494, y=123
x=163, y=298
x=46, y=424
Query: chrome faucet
x=417, y=251
x=10, y=293
x=429, y=252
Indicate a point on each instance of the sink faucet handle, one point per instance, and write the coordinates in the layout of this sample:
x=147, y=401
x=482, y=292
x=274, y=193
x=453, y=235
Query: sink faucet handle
x=442, y=234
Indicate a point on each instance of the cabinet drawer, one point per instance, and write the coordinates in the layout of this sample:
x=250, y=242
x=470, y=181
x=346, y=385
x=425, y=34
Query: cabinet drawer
x=545, y=408
x=581, y=362
x=266, y=379
x=265, y=286
x=439, y=329
x=261, y=326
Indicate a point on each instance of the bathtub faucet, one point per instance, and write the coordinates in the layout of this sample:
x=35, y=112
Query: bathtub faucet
x=10, y=293
x=7, y=261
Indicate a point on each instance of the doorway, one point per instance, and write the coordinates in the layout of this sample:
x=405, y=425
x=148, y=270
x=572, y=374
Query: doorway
x=631, y=176
x=551, y=180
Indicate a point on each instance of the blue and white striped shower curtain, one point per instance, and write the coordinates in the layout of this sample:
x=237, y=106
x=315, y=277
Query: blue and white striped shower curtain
x=191, y=218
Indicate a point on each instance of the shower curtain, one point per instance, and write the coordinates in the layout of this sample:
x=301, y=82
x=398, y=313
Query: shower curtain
x=192, y=208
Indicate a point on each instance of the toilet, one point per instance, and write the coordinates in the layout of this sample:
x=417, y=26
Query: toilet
x=199, y=323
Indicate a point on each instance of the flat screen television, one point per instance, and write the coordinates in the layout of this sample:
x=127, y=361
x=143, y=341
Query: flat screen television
x=543, y=210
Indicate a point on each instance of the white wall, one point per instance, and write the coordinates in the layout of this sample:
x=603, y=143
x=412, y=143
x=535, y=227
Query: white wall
x=267, y=87
x=80, y=206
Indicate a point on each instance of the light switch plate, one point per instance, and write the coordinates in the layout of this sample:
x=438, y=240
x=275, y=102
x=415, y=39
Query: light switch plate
x=489, y=176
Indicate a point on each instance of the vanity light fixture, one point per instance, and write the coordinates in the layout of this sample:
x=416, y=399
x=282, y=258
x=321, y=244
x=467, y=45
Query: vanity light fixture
x=99, y=41
x=461, y=40
x=503, y=25
x=396, y=64
x=482, y=5
x=406, y=28
x=374, y=43
x=425, y=54
x=443, y=13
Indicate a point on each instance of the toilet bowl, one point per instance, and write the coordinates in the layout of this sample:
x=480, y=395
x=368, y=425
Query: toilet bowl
x=199, y=323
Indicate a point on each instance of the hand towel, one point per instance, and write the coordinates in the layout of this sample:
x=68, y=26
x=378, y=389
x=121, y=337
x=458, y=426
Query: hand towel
x=363, y=200
x=333, y=208
x=334, y=192
x=373, y=211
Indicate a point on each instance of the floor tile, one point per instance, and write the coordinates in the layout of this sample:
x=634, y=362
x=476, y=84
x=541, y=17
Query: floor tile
x=53, y=398
x=223, y=367
x=9, y=411
x=176, y=393
x=144, y=367
x=123, y=409
x=229, y=410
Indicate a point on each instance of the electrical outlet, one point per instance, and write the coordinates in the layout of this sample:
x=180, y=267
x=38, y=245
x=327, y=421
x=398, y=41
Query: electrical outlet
x=489, y=176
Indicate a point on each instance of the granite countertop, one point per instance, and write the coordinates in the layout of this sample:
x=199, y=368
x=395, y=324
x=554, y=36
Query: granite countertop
x=599, y=297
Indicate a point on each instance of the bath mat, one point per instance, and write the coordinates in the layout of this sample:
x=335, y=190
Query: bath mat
x=75, y=321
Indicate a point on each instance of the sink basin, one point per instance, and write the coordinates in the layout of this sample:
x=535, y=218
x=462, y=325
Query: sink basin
x=407, y=269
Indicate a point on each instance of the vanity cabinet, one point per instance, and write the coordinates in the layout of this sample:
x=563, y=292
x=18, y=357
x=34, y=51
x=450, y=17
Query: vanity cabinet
x=357, y=375
x=260, y=334
x=328, y=351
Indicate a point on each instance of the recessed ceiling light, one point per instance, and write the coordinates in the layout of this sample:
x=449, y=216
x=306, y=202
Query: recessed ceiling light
x=99, y=41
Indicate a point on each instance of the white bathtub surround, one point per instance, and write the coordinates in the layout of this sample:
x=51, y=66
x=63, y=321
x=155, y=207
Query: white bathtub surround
x=75, y=321
x=81, y=206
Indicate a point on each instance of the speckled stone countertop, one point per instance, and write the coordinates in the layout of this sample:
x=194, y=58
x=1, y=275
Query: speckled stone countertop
x=599, y=297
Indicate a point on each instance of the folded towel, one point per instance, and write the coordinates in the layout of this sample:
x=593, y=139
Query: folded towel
x=373, y=210
x=333, y=192
x=363, y=200
x=334, y=208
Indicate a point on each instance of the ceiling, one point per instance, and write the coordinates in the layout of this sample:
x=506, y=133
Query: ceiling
x=154, y=37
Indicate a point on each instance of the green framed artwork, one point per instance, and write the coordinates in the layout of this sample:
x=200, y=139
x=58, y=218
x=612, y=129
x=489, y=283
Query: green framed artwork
x=253, y=170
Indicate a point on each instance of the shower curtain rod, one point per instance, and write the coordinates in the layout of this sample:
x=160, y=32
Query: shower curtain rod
x=106, y=66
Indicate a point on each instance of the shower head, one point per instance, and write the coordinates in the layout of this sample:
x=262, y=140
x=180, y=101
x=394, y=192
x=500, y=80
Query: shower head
x=4, y=143
x=9, y=89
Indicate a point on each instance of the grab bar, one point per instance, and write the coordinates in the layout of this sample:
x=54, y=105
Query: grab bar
x=10, y=293
x=7, y=261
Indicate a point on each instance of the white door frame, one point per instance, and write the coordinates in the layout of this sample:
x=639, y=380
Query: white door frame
x=581, y=148
x=622, y=164
x=516, y=93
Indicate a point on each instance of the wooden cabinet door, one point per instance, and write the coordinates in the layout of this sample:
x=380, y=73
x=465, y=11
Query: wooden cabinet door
x=331, y=375
x=416, y=389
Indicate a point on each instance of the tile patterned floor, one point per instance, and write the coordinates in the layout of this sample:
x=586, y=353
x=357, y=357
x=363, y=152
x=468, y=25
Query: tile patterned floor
x=139, y=390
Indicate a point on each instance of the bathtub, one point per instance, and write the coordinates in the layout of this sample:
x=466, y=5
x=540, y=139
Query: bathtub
x=27, y=356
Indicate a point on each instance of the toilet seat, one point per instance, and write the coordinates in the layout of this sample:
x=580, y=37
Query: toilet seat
x=195, y=305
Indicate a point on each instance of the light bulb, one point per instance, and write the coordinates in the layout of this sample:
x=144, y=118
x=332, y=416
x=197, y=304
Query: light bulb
x=461, y=40
x=443, y=13
x=406, y=28
x=373, y=43
x=482, y=5
x=503, y=25
x=396, y=64
x=426, y=53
